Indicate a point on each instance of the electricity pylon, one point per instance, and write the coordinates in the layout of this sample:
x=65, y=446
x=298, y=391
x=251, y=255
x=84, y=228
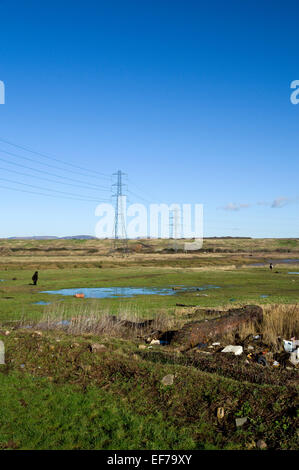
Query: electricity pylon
x=119, y=239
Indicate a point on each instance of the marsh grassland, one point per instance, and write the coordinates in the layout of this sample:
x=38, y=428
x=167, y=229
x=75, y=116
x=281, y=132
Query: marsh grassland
x=80, y=373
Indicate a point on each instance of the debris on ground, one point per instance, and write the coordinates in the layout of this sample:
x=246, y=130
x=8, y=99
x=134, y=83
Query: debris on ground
x=262, y=360
x=294, y=357
x=155, y=341
x=237, y=350
x=195, y=332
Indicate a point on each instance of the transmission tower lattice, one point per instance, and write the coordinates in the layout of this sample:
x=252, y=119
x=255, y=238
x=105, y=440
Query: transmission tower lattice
x=174, y=228
x=120, y=240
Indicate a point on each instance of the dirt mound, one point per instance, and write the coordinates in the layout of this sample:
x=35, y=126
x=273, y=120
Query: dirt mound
x=196, y=332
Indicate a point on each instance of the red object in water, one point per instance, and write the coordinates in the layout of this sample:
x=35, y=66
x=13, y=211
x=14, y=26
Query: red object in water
x=79, y=296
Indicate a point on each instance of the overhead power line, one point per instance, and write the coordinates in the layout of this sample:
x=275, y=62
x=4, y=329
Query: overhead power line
x=49, y=189
x=46, y=164
x=53, y=181
x=27, y=149
x=43, y=194
x=54, y=174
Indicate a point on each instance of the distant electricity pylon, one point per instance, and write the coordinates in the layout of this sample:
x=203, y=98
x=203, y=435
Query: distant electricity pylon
x=175, y=227
x=120, y=240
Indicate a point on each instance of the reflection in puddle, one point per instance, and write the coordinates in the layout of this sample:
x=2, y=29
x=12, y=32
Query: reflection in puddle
x=111, y=292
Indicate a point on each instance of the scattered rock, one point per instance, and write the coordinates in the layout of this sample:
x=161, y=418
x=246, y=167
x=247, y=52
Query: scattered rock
x=250, y=348
x=142, y=346
x=97, y=348
x=220, y=413
x=237, y=350
x=7, y=333
x=168, y=379
x=240, y=421
x=261, y=444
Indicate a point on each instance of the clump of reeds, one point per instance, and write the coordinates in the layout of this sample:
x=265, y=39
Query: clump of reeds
x=126, y=322
x=280, y=321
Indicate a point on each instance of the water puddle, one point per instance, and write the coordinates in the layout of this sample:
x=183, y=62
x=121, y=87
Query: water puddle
x=277, y=261
x=293, y=273
x=41, y=302
x=112, y=292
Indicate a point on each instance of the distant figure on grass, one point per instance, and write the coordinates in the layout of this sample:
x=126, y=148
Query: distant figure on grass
x=35, y=278
x=271, y=266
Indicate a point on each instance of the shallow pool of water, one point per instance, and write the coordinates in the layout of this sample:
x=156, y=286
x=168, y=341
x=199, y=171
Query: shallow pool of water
x=111, y=292
x=293, y=273
x=277, y=261
x=41, y=302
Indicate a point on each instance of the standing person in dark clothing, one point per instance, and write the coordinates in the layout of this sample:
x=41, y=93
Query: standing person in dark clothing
x=271, y=266
x=35, y=278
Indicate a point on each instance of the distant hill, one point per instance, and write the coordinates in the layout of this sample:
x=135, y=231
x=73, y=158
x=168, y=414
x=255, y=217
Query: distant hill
x=46, y=237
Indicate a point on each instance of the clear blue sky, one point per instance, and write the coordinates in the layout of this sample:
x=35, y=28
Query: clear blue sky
x=191, y=99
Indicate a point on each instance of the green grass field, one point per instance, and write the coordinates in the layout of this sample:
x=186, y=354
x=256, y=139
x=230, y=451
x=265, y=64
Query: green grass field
x=246, y=285
x=56, y=394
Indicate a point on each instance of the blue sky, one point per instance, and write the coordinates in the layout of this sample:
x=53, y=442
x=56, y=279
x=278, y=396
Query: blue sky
x=190, y=99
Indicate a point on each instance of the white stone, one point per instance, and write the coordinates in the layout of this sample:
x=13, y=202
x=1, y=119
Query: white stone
x=168, y=379
x=237, y=350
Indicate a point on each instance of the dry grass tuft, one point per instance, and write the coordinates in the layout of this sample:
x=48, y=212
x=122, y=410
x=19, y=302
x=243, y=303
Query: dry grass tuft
x=279, y=321
x=126, y=323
